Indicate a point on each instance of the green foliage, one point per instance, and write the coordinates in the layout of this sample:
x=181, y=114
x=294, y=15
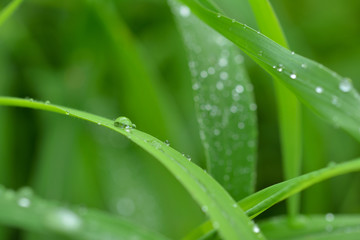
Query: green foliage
x=126, y=58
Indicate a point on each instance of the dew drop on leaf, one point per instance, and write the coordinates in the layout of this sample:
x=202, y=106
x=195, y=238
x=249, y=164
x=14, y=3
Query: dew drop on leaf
x=256, y=229
x=184, y=11
x=24, y=202
x=329, y=217
x=319, y=89
x=64, y=220
x=345, y=85
x=124, y=122
x=293, y=76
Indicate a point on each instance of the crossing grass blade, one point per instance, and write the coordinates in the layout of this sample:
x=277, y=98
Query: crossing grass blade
x=226, y=216
x=24, y=210
x=260, y=201
x=322, y=90
x=313, y=227
x=224, y=101
x=289, y=109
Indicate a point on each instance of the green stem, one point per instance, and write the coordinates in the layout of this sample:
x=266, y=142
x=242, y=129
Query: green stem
x=289, y=109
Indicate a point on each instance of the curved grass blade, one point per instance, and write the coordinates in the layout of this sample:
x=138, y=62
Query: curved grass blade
x=314, y=227
x=264, y=199
x=322, y=90
x=226, y=216
x=24, y=210
x=224, y=101
x=289, y=109
x=9, y=10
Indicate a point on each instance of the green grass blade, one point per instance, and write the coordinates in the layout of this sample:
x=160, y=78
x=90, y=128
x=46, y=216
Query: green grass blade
x=9, y=10
x=264, y=199
x=226, y=216
x=289, y=109
x=24, y=210
x=314, y=227
x=322, y=90
x=224, y=102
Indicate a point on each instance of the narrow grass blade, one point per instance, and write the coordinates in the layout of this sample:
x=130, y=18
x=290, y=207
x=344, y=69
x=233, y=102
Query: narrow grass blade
x=289, y=109
x=9, y=10
x=24, y=210
x=224, y=101
x=226, y=216
x=322, y=90
x=264, y=199
x=314, y=227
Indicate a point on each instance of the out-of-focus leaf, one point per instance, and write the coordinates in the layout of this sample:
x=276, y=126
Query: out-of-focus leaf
x=226, y=216
x=24, y=210
x=313, y=227
x=224, y=102
x=289, y=109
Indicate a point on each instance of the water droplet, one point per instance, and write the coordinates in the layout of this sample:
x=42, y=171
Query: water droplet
x=260, y=53
x=204, y=208
x=224, y=75
x=334, y=100
x=253, y=106
x=233, y=109
x=124, y=122
x=241, y=125
x=280, y=69
x=233, y=21
x=218, y=15
x=293, y=76
x=292, y=53
x=211, y=70
x=303, y=65
x=223, y=62
x=219, y=85
x=203, y=74
x=319, y=90
x=47, y=102
x=99, y=123
x=239, y=88
x=256, y=229
x=235, y=205
x=216, y=132
x=195, y=86
x=67, y=113
x=63, y=220
x=345, y=85
x=184, y=11
x=167, y=142
x=24, y=202
x=329, y=217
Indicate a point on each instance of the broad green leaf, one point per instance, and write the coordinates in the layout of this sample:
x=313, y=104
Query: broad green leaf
x=9, y=10
x=24, y=210
x=322, y=90
x=226, y=216
x=289, y=109
x=264, y=199
x=224, y=101
x=313, y=227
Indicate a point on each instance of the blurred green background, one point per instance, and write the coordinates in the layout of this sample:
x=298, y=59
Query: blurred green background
x=127, y=58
